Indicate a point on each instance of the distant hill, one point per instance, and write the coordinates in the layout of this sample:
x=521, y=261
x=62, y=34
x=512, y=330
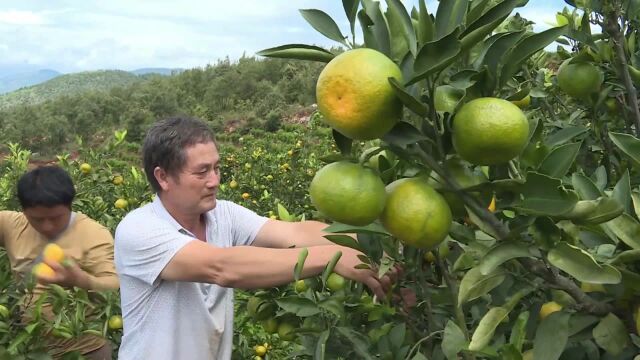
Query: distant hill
x=14, y=81
x=159, y=71
x=69, y=84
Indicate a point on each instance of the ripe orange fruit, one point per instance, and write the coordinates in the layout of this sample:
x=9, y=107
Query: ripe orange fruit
x=121, y=204
x=233, y=184
x=246, y=196
x=43, y=270
x=415, y=213
x=489, y=131
x=579, y=79
x=85, y=168
x=115, y=322
x=53, y=253
x=348, y=193
x=260, y=350
x=336, y=282
x=354, y=95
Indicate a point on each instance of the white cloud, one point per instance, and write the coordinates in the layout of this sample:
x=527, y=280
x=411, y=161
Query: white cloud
x=16, y=17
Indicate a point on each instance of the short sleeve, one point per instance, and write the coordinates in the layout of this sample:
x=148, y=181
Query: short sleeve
x=246, y=224
x=144, y=245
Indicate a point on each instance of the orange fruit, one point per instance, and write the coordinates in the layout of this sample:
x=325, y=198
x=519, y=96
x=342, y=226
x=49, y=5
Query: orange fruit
x=415, y=213
x=286, y=331
x=233, y=184
x=85, y=168
x=121, y=204
x=354, y=95
x=446, y=98
x=579, y=79
x=43, y=270
x=246, y=196
x=489, y=131
x=53, y=253
x=118, y=180
x=260, y=350
x=270, y=325
x=300, y=286
x=336, y=282
x=115, y=322
x=348, y=193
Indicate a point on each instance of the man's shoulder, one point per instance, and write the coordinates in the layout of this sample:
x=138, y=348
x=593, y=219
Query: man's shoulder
x=12, y=216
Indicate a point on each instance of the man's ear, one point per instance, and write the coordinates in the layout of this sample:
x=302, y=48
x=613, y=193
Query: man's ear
x=161, y=177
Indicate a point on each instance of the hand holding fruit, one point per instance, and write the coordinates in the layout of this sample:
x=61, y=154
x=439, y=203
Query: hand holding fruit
x=347, y=268
x=56, y=269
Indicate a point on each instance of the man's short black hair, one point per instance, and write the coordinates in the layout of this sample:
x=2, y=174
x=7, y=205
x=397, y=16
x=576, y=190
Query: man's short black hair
x=166, y=141
x=45, y=186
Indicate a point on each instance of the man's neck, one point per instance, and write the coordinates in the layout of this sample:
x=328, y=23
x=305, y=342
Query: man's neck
x=192, y=222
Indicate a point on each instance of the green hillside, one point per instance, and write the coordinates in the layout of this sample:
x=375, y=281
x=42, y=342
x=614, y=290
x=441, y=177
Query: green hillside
x=67, y=85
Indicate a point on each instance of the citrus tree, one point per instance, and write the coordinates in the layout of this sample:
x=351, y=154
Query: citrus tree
x=503, y=181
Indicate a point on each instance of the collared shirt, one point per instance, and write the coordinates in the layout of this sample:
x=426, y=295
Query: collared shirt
x=84, y=240
x=173, y=319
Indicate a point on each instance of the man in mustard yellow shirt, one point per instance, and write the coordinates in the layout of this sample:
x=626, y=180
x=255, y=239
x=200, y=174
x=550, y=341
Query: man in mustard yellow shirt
x=46, y=194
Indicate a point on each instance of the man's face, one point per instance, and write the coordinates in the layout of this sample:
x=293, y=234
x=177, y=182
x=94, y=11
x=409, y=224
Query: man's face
x=48, y=221
x=194, y=189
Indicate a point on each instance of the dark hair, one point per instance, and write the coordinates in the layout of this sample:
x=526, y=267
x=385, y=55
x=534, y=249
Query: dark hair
x=45, y=186
x=166, y=141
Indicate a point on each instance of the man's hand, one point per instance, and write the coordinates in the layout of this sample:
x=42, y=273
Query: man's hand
x=379, y=285
x=67, y=275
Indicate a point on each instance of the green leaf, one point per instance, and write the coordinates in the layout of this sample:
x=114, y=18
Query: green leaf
x=581, y=265
x=622, y=193
x=398, y=11
x=519, y=330
x=628, y=144
x=334, y=305
x=486, y=328
x=482, y=27
x=501, y=253
x=594, y=212
x=298, y=52
x=544, y=195
x=563, y=135
x=351, y=10
x=426, y=27
x=585, y=187
x=435, y=56
x=525, y=49
x=403, y=134
x=373, y=228
x=611, y=334
x=628, y=256
x=324, y=24
x=375, y=27
x=344, y=240
x=343, y=143
x=579, y=322
x=627, y=229
x=407, y=99
x=449, y=16
x=330, y=266
x=360, y=342
x=551, y=336
x=476, y=10
x=474, y=284
x=297, y=271
x=559, y=160
x=453, y=341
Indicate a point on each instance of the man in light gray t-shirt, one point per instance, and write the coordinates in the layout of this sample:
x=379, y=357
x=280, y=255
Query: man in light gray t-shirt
x=180, y=257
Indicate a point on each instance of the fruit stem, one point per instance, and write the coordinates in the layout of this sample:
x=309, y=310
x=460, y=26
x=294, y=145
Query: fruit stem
x=612, y=27
x=502, y=232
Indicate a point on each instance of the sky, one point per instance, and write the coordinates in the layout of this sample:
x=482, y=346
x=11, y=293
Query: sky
x=73, y=35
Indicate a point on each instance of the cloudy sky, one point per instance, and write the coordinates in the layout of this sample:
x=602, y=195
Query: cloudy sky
x=73, y=35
